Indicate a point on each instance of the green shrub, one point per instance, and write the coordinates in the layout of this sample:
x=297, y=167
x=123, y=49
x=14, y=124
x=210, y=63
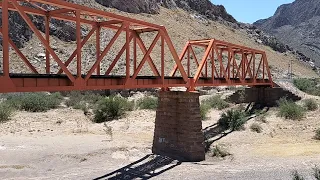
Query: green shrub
x=297, y=176
x=216, y=102
x=317, y=136
x=111, y=108
x=310, y=104
x=233, y=120
x=6, y=112
x=77, y=100
x=304, y=84
x=219, y=151
x=204, y=109
x=34, y=102
x=309, y=86
x=148, y=103
x=290, y=110
x=255, y=127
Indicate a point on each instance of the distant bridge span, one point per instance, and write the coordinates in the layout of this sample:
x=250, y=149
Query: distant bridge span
x=202, y=62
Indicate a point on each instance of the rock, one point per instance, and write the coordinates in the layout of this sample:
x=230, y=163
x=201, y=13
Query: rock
x=41, y=55
x=203, y=7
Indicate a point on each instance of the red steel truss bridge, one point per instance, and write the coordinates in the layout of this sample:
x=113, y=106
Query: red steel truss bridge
x=144, y=52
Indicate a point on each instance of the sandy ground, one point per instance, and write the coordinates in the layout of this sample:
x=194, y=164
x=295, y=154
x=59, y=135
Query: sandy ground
x=64, y=144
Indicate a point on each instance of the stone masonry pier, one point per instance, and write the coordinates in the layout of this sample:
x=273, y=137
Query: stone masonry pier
x=178, y=127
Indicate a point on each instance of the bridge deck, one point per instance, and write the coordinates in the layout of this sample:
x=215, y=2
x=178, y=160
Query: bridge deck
x=55, y=82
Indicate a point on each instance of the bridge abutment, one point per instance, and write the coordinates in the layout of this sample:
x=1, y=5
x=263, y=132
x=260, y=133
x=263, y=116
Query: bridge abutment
x=178, y=127
x=262, y=95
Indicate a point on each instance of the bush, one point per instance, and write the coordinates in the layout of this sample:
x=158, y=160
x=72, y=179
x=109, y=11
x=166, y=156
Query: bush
x=317, y=136
x=255, y=127
x=290, y=110
x=297, y=176
x=216, y=102
x=233, y=120
x=5, y=112
x=111, y=108
x=204, y=109
x=77, y=99
x=219, y=151
x=34, y=102
x=309, y=86
x=310, y=104
x=148, y=103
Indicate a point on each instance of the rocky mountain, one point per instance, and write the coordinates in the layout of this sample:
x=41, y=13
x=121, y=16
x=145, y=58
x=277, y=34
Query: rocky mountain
x=298, y=25
x=203, y=7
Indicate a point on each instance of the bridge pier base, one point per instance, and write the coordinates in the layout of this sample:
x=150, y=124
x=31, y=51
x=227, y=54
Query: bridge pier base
x=178, y=127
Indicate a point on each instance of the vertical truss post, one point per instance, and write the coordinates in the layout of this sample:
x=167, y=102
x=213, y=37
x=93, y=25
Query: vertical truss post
x=221, y=63
x=5, y=37
x=127, y=24
x=243, y=67
x=98, y=48
x=162, y=60
x=47, y=31
x=78, y=34
x=212, y=61
x=229, y=62
x=188, y=59
x=134, y=53
x=268, y=69
x=234, y=66
x=263, y=68
x=206, y=68
x=254, y=66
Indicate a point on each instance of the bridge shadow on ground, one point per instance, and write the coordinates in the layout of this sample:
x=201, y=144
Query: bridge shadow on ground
x=215, y=132
x=145, y=168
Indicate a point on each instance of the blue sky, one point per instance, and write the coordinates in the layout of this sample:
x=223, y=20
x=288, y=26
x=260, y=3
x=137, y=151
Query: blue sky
x=249, y=11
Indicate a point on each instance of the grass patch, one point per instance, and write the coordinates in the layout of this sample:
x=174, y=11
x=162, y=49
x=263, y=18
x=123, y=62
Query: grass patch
x=6, y=112
x=204, y=109
x=34, y=102
x=255, y=127
x=310, y=86
x=317, y=135
x=77, y=100
x=219, y=151
x=216, y=102
x=233, y=120
x=148, y=103
x=290, y=110
x=310, y=104
x=111, y=108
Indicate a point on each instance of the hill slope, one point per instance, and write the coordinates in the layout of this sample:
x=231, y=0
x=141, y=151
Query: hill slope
x=297, y=24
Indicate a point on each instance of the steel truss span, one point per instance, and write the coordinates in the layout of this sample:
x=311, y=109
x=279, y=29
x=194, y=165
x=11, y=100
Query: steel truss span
x=202, y=62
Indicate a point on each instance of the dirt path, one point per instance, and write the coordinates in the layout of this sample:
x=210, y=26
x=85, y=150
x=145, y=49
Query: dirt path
x=56, y=145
